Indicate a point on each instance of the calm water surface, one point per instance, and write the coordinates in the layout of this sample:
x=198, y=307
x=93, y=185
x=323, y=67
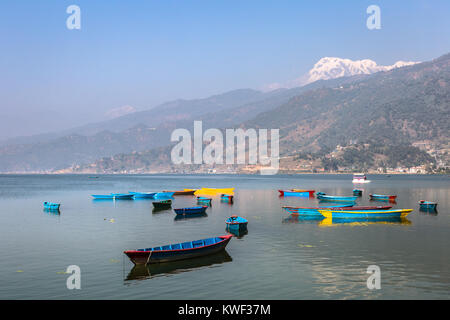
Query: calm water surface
x=281, y=257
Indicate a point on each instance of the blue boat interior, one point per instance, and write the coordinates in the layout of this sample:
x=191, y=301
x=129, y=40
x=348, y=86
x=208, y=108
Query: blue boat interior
x=185, y=245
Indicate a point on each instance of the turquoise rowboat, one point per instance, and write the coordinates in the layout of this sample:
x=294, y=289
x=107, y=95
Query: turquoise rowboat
x=368, y=214
x=51, y=205
x=325, y=197
x=383, y=197
x=113, y=196
x=164, y=195
x=143, y=195
x=427, y=205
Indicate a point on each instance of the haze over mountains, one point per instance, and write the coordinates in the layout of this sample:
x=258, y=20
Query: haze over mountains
x=398, y=105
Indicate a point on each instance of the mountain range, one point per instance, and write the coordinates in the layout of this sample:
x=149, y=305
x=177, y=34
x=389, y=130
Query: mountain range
x=345, y=104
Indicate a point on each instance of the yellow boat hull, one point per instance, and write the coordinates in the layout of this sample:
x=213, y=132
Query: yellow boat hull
x=214, y=191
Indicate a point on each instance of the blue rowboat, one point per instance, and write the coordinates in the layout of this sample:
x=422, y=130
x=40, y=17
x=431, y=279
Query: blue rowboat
x=296, y=193
x=164, y=195
x=113, y=196
x=382, y=197
x=357, y=192
x=227, y=198
x=427, y=205
x=143, y=195
x=191, y=210
x=236, y=222
x=325, y=197
x=178, y=251
x=51, y=205
x=204, y=199
x=313, y=211
x=369, y=214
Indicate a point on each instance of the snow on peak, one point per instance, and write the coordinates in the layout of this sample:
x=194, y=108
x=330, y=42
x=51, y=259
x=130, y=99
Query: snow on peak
x=331, y=68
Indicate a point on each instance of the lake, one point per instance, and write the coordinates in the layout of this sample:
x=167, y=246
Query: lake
x=280, y=257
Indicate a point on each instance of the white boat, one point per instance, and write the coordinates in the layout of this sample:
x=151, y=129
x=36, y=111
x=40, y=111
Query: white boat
x=360, y=178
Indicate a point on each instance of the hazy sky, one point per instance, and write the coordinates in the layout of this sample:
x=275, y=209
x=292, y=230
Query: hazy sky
x=141, y=53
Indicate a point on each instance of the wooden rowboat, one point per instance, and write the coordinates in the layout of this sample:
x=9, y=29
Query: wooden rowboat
x=369, y=214
x=227, y=198
x=163, y=204
x=237, y=222
x=296, y=193
x=325, y=197
x=213, y=191
x=315, y=211
x=383, y=197
x=427, y=205
x=178, y=251
x=51, y=205
x=185, y=192
x=113, y=196
x=143, y=195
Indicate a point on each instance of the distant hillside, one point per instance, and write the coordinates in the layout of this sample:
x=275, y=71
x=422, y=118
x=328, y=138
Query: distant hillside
x=397, y=118
x=395, y=107
x=142, y=131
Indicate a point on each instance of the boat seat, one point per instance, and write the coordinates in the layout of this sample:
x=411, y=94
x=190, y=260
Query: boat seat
x=187, y=245
x=197, y=243
x=209, y=241
x=176, y=246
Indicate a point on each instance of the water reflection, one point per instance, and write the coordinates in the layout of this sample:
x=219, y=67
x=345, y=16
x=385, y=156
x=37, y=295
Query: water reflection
x=362, y=222
x=295, y=218
x=190, y=216
x=52, y=212
x=238, y=232
x=429, y=211
x=159, y=210
x=142, y=272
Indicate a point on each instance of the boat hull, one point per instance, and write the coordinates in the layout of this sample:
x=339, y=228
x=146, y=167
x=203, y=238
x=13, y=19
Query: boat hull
x=143, y=195
x=162, y=204
x=164, y=195
x=192, y=210
x=187, y=250
x=51, y=206
x=366, y=214
x=382, y=197
x=118, y=196
x=336, y=198
x=315, y=211
x=213, y=191
x=293, y=193
x=186, y=192
x=427, y=205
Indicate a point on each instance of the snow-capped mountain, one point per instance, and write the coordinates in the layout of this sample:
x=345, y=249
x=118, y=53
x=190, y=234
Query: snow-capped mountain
x=331, y=68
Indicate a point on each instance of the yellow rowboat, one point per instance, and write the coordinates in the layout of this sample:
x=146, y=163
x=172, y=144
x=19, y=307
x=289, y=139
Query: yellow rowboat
x=366, y=214
x=214, y=191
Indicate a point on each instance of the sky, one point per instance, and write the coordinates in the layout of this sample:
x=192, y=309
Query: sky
x=134, y=55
